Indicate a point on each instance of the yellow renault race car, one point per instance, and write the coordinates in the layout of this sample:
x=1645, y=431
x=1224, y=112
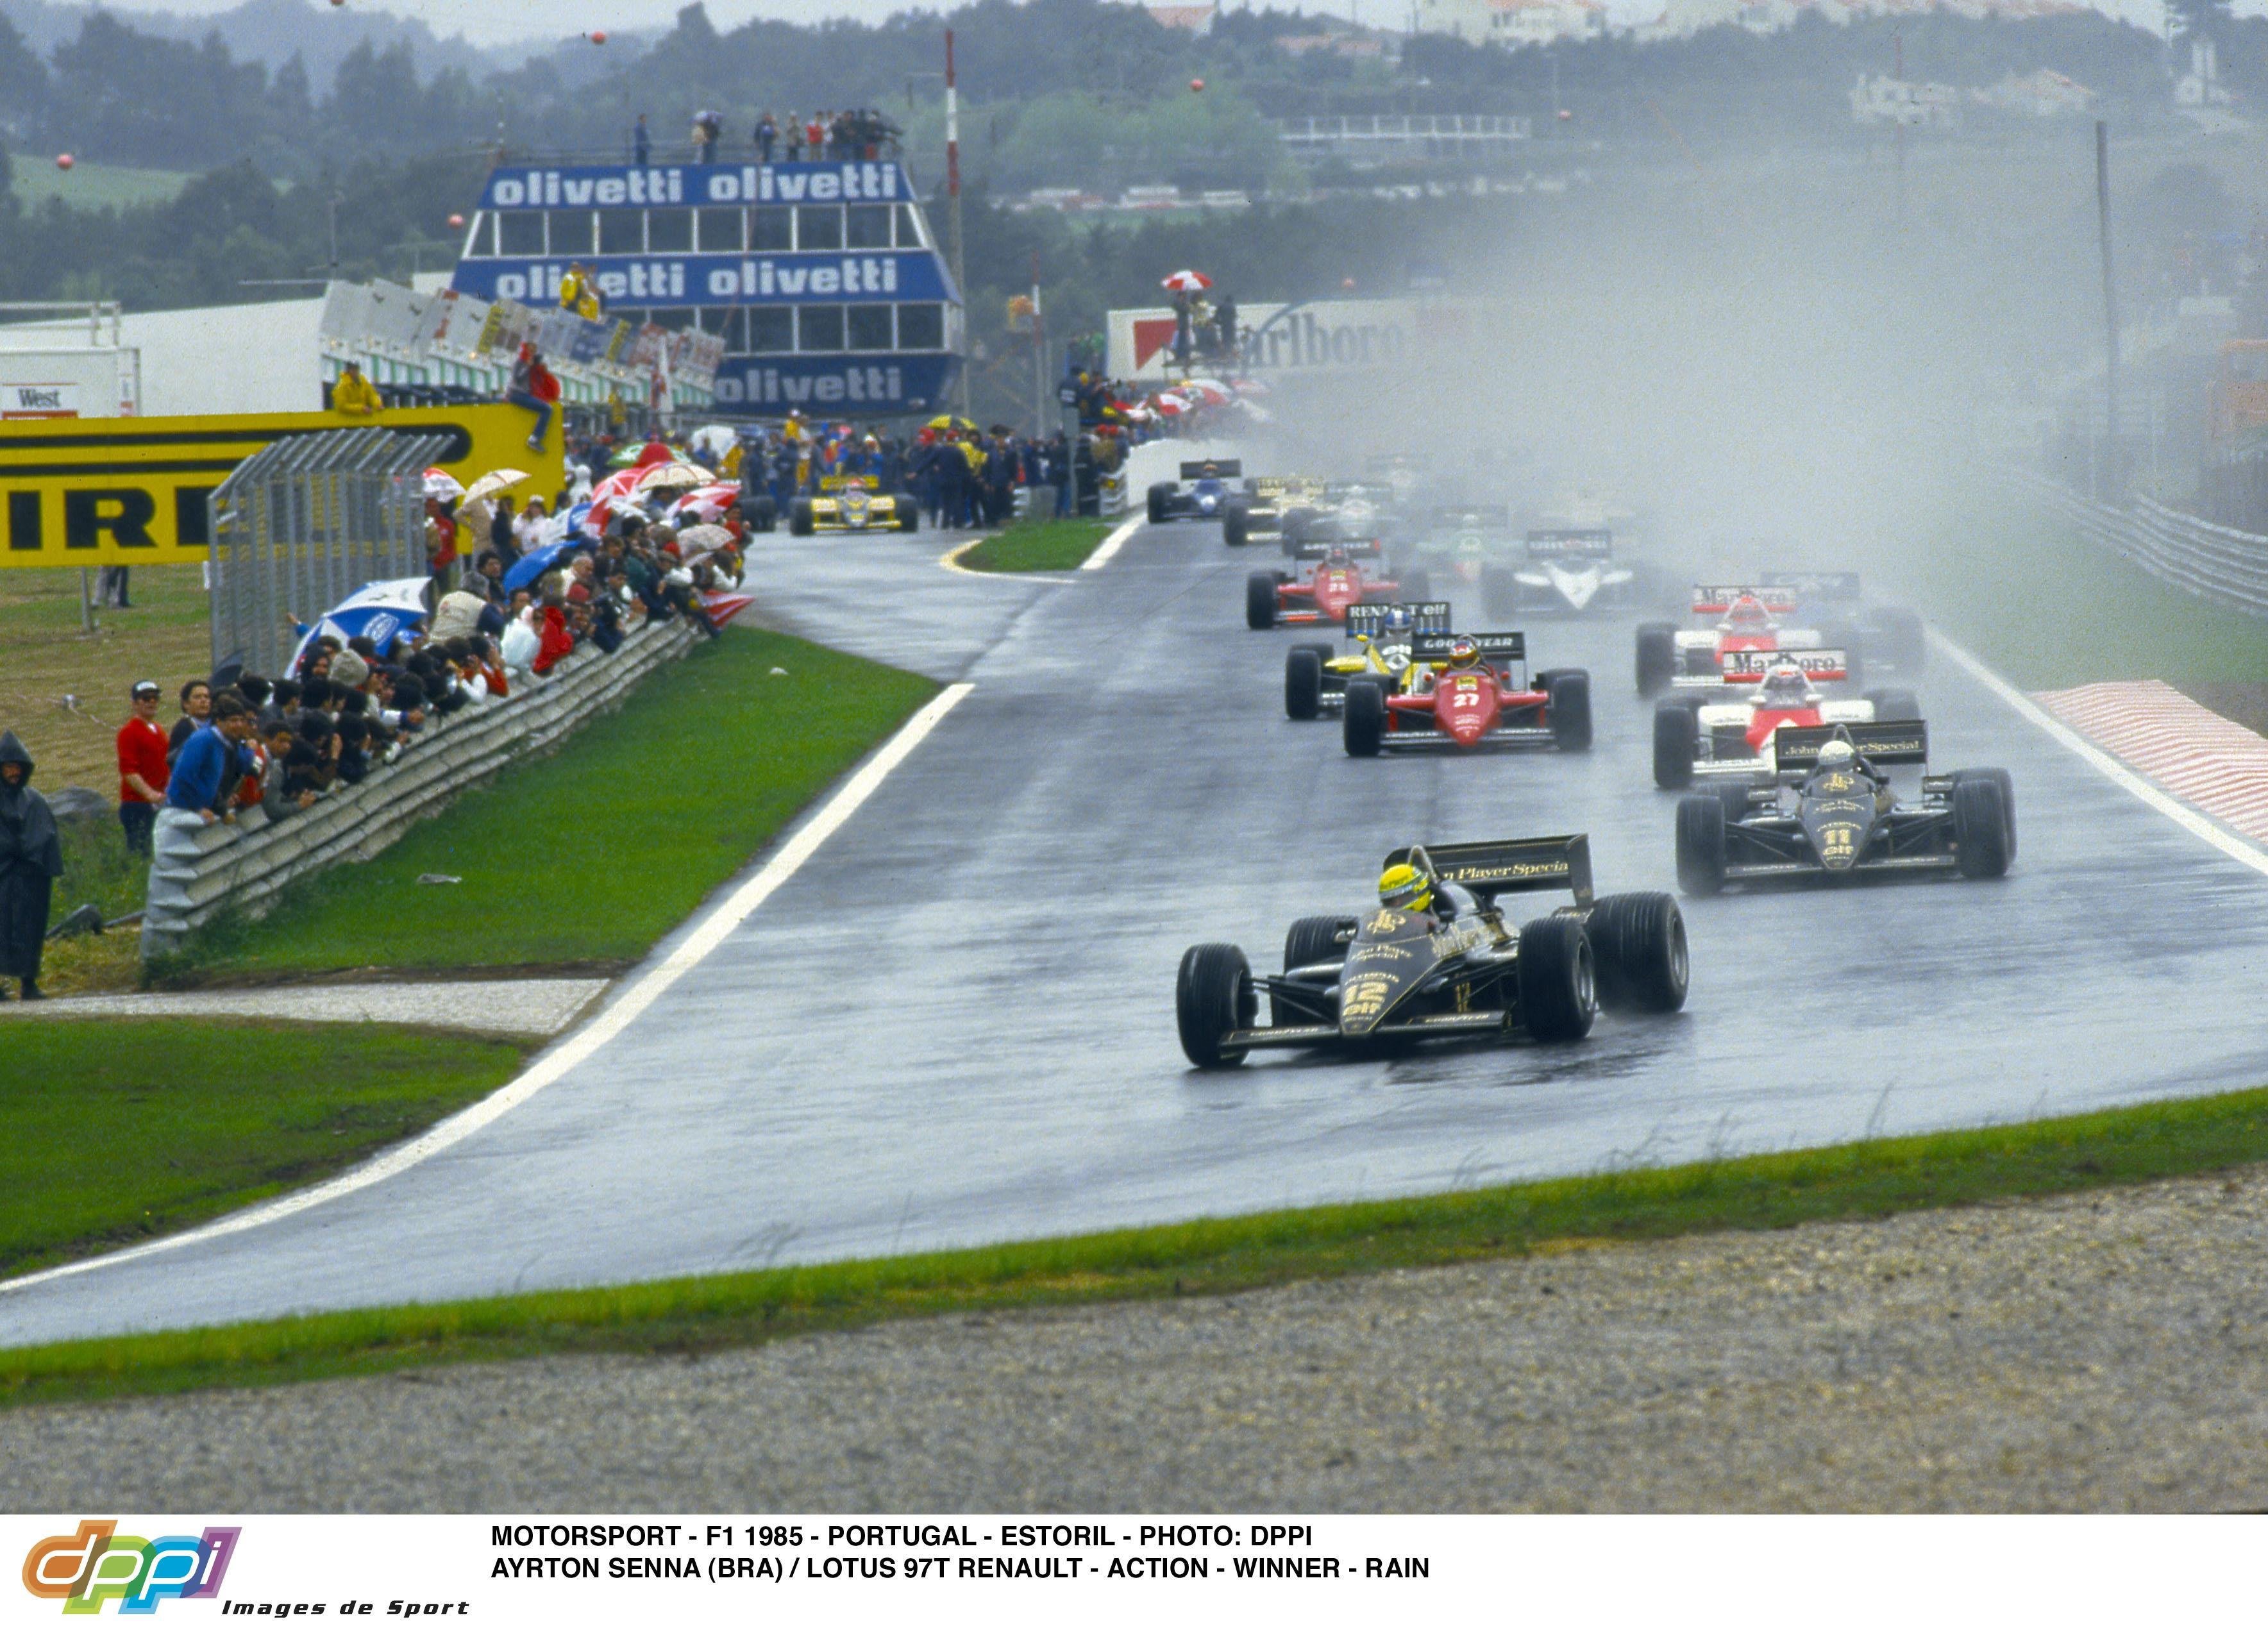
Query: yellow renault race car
x=1315, y=676
x=846, y=503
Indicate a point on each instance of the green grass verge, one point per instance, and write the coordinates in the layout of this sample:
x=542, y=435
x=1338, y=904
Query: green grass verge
x=93, y=186
x=115, y=1130
x=1043, y=545
x=2049, y=609
x=593, y=854
x=1866, y=1179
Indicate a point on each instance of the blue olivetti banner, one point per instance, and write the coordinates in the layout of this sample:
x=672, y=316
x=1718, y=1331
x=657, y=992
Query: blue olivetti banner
x=627, y=185
x=847, y=385
x=826, y=277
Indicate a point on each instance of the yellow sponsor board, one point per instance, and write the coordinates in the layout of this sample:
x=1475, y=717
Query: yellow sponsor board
x=131, y=491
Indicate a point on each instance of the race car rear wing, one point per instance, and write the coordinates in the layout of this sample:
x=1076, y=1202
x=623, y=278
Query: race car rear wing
x=1714, y=599
x=1797, y=751
x=1433, y=645
x=1449, y=516
x=1316, y=549
x=1814, y=585
x=1821, y=666
x=1515, y=864
x=1362, y=621
x=1589, y=543
x=1222, y=468
x=1285, y=485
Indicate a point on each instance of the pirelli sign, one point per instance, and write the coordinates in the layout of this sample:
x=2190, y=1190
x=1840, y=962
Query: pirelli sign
x=132, y=491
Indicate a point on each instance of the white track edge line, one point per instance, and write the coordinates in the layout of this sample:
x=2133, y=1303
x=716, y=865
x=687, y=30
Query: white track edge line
x=2180, y=813
x=1111, y=544
x=578, y=1048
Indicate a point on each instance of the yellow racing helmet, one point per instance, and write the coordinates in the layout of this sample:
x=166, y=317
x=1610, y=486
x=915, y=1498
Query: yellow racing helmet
x=1405, y=887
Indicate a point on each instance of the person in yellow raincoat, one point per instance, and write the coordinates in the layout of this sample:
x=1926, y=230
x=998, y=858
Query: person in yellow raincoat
x=570, y=287
x=355, y=395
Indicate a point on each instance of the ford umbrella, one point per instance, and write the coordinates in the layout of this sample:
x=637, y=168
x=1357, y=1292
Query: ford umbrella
x=1187, y=282
x=535, y=561
x=378, y=611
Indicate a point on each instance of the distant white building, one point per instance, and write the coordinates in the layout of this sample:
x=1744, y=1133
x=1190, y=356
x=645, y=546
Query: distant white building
x=1877, y=99
x=1197, y=19
x=1511, y=22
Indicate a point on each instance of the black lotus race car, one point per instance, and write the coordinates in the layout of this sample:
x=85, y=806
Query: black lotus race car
x=1207, y=497
x=1837, y=822
x=1259, y=515
x=1395, y=975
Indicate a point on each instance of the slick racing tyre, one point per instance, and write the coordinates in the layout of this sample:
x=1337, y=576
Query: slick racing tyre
x=1314, y=940
x=1638, y=941
x=1657, y=657
x=799, y=517
x=1895, y=706
x=2001, y=778
x=1303, y=683
x=1673, y=745
x=1160, y=494
x=1363, y=721
x=1213, y=994
x=1980, y=829
x=1500, y=591
x=1571, y=709
x=1233, y=530
x=1260, y=600
x=1701, y=845
x=909, y=513
x=764, y=516
x=1558, y=980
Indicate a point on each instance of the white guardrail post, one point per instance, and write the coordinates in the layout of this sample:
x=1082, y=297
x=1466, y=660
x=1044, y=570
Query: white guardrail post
x=198, y=871
x=2213, y=562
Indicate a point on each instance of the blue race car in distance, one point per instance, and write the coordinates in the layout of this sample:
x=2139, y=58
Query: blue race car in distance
x=1206, y=498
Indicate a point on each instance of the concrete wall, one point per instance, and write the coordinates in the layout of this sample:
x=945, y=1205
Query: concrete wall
x=260, y=359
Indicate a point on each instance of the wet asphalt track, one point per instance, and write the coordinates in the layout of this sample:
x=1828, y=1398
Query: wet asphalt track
x=956, y=1025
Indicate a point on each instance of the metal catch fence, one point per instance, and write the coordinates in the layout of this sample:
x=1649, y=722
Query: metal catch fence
x=306, y=521
x=2213, y=562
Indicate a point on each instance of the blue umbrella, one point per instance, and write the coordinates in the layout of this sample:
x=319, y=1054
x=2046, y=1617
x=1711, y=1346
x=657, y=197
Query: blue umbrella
x=535, y=561
x=378, y=611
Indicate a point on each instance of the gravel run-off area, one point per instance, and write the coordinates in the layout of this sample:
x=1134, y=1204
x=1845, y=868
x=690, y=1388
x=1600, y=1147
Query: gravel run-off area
x=2102, y=1352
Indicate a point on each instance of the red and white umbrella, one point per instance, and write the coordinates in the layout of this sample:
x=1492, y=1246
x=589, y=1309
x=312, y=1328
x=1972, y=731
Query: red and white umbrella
x=704, y=502
x=442, y=484
x=1170, y=403
x=1187, y=282
x=1208, y=393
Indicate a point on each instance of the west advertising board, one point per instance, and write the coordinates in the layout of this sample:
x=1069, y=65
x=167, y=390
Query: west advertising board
x=132, y=491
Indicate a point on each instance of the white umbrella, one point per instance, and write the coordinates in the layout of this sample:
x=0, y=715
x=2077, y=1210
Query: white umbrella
x=662, y=475
x=442, y=484
x=494, y=481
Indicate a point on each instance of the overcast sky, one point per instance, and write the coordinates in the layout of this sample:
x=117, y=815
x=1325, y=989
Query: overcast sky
x=494, y=22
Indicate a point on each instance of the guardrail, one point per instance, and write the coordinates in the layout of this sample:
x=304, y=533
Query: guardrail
x=2213, y=562
x=198, y=870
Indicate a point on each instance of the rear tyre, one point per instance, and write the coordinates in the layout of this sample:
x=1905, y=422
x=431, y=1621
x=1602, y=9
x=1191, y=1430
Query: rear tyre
x=1160, y=494
x=2001, y=778
x=1294, y=531
x=765, y=516
x=1638, y=941
x=1558, y=979
x=798, y=518
x=1363, y=722
x=1260, y=600
x=1233, y=530
x=1414, y=586
x=1213, y=994
x=1980, y=829
x=1500, y=591
x=1303, y=684
x=1314, y=940
x=1899, y=641
x=1673, y=745
x=909, y=514
x=1701, y=845
x=1571, y=711
x=1657, y=657
x=1895, y=706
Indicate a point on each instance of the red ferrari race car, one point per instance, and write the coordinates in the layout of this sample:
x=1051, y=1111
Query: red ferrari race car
x=1475, y=692
x=1336, y=578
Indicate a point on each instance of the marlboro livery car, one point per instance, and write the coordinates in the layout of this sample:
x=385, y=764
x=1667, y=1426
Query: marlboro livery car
x=1475, y=692
x=1742, y=616
x=1832, y=815
x=1208, y=496
x=1439, y=961
x=1569, y=568
x=1336, y=578
x=1315, y=676
x=1767, y=691
x=1891, y=638
x=844, y=503
x=1258, y=515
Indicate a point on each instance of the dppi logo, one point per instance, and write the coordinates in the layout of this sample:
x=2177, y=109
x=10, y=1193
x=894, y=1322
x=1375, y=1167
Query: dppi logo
x=94, y=1565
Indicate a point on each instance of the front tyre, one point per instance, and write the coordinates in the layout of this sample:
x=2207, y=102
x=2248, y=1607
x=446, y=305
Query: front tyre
x=1895, y=706
x=1212, y=996
x=1701, y=845
x=1571, y=709
x=1638, y=940
x=1673, y=745
x=1234, y=525
x=1160, y=494
x=909, y=515
x=1260, y=600
x=1657, y=657
x=2001, y=778
x=1980, y=829
x=800, y=522
x=1303, y=684
x=1363, y=723
x=1558, y=979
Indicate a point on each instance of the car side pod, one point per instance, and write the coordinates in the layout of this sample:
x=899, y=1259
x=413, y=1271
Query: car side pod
x=1213, y=997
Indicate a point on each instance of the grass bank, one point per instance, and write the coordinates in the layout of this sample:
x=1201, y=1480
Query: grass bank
x=1862, y=1180
x=593, y=854
x=1040, y=545
x=113, y=1131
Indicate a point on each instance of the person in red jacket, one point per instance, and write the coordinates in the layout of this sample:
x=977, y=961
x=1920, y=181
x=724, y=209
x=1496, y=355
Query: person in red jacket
x=534, y=387
x=556, y=641
x=141, y=769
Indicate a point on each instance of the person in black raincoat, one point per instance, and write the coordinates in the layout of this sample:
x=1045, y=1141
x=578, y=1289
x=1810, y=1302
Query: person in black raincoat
x=31, y=859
